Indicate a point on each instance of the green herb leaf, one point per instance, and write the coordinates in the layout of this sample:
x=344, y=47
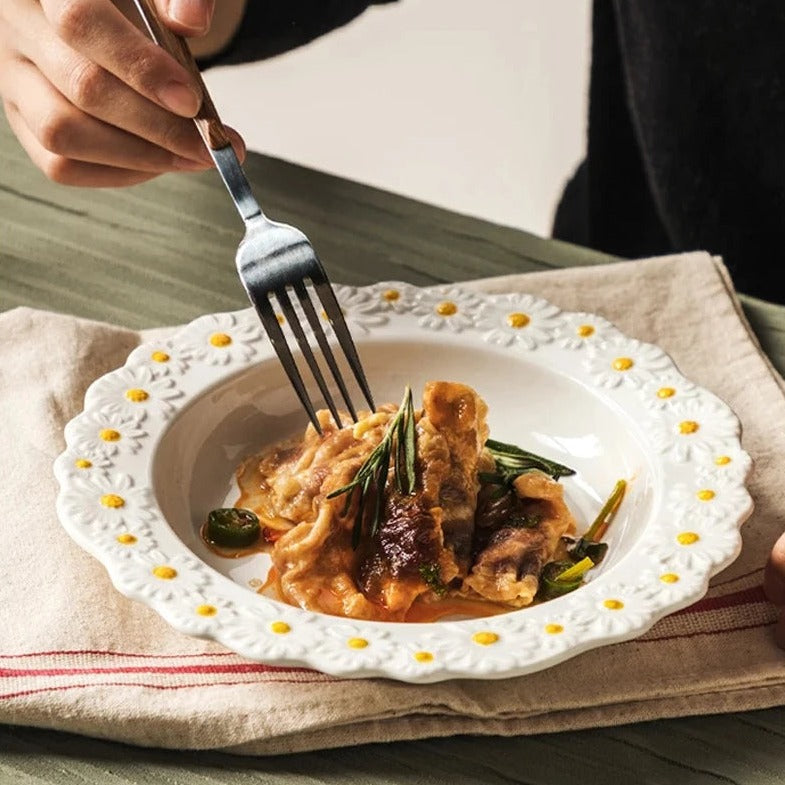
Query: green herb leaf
x=576, y=571
x=581, y=548
x=550, y=587
x=398, y=447
x=409, y=448
x=432, y=575
x=512, y=461
x=603, y=520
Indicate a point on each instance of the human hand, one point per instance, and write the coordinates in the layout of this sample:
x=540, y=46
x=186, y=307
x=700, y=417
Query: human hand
x=774, y=586
x=93, y=101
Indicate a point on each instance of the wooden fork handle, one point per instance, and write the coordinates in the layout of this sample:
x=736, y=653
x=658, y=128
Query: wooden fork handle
x=207, y=120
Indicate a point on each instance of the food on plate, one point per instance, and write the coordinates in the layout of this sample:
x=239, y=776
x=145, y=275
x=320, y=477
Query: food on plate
x=231, y=527
x=410, y=514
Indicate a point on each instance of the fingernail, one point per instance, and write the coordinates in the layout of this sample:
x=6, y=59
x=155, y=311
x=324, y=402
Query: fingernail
x=193, y=14
x=238, y=143
x=180, y=98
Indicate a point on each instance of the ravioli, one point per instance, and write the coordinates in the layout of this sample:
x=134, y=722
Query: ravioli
x=453, y=537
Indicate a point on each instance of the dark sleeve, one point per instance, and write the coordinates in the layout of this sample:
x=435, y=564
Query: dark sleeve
x=685, y=142
x=271, y=28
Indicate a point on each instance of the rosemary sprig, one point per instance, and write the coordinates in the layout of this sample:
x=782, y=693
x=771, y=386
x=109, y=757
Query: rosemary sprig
x=511, y=462
x=397, y=447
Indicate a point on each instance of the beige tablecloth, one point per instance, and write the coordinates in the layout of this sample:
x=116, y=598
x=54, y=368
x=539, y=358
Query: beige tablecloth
x=76, y=655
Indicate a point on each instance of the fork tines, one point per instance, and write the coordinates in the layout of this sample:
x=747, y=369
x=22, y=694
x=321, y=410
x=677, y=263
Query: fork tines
x=332, y=309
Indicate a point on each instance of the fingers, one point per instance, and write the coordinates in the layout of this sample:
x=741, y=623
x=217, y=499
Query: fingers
x=60, y=128
x=102, y=95
x=70, y=110
x=774, y=585
x=107, y=39
x=774, y=575
x=187, y=17
x=65, y=170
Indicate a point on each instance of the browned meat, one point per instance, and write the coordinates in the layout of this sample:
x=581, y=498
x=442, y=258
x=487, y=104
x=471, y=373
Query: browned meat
x=450, y=534
x=510, y=557
x=458, y=414
x=432, y=529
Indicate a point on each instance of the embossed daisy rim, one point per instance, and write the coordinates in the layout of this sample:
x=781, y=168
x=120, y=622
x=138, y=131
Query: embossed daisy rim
x=105, y=477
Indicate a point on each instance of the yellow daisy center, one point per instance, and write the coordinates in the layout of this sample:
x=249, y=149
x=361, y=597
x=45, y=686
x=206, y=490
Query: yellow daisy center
x=165, y=572
x=126, y=539
x=485, y=638
x=613, y=605
x=206, y=610
x=554, y=629
x=82, y=463
x=447, y=308
x=706, y=494
x=391, y=295
x=220, y=340
x=160, y=357
x=109, y=435
x=280, y=627
x=688, y=426
x=585, y=330
x=669, y=577
x=722, y=460
x=136, y=395
x=622, y=364
x=357, y=643
x=518, y=320
x=423, y=656
x=112, y=500
x=687, y=538
x=666, y=392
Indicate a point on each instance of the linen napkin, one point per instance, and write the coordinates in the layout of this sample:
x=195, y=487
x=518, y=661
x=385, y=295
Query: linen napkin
x=76, y=655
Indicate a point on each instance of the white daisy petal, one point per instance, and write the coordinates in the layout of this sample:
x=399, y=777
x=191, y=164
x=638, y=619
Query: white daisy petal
x=625, y=362
x=107, y=502
x=446, y=308
x=578, y=330
x=521, y=320
x=220, y=339
x=133, y=392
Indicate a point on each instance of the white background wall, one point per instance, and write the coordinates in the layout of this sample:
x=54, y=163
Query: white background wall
x=477, y=107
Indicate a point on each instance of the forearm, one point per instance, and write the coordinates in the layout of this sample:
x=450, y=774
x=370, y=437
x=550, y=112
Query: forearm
x=272, y=27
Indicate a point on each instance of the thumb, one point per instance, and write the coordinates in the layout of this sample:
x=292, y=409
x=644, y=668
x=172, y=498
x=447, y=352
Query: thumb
x=187, y=17
x=774, y=575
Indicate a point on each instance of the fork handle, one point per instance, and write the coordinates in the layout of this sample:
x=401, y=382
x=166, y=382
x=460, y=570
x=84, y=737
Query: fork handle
x=207, y=120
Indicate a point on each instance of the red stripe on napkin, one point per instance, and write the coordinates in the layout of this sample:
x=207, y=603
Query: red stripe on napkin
x=60, y=688
x=247, y=667
x=743, y=597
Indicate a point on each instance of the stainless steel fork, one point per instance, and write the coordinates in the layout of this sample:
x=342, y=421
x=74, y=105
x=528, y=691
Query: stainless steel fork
x=273, y=258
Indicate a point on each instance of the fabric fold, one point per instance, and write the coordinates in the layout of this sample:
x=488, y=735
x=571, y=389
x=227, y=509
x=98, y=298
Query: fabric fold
x=76, y=655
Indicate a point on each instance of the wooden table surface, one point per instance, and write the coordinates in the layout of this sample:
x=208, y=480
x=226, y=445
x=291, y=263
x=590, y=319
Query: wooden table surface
x=119, y=255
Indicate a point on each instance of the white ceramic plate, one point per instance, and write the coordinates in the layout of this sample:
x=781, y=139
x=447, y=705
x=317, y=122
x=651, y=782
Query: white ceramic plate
x=159, y=439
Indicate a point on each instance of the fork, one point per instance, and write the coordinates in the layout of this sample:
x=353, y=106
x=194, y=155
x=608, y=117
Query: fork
x=273, y=259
